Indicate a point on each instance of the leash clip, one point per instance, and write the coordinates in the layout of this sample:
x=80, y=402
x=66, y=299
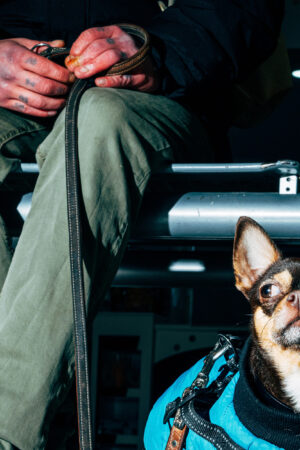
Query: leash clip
x=36, y=47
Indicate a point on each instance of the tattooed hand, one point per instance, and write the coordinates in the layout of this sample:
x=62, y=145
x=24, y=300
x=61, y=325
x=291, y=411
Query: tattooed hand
x=30, y=83
x=97, y=49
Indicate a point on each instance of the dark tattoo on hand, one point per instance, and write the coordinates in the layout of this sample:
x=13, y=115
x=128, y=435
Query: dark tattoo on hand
x=19, y=106
x=23, y=99
x=31, y=61
x=29, y=82
x=60, y=91
x=110, y=40
x=123, y=55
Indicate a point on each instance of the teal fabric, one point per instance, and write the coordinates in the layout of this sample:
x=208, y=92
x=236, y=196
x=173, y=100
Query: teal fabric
x=222, y=413
x=156, y=434
x=124, y=136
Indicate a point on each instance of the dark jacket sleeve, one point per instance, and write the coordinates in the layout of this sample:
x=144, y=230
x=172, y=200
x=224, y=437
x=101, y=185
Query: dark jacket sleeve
x=203, y=43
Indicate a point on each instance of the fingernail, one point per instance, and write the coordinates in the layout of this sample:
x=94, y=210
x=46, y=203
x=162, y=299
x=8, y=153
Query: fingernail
x=58, y=43
x=84, y=69
x=72, y=61
x=101, y=82
x=52, y=113
x=71, y=78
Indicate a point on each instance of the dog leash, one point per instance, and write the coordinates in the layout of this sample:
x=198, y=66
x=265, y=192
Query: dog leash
x=73, y=187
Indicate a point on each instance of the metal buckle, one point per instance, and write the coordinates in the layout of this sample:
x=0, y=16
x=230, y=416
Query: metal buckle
x=36, y=47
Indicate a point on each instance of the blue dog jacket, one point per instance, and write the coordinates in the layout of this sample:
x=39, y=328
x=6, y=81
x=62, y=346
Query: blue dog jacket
x=249, y=422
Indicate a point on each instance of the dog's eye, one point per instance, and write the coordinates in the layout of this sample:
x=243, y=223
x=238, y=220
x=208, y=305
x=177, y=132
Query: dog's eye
x=269, y=290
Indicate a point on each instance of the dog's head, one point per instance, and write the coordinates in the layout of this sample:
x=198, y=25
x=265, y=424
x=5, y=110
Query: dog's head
x=270, y=283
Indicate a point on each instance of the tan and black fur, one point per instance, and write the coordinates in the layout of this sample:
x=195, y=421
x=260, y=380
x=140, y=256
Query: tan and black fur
x=272, y=286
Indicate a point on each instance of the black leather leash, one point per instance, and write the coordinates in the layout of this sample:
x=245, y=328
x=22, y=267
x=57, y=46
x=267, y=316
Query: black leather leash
x=73, y=187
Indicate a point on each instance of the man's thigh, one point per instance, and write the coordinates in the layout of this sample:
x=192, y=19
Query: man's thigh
x=19, y=138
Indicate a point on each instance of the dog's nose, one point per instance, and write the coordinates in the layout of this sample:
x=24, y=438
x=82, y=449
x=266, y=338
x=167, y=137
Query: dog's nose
x=294, y=299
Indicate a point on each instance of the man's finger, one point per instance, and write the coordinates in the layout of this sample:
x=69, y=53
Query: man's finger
x=41, y=85
x=100, y=64
x=38, y=101
x=29, y=43
x=17, y=105
x=88, y=36
x=44, y=67
x=91, y=52
x=121, y=81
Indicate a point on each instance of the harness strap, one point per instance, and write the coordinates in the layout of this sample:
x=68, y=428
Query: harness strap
x=186, y=417
x=176, y=438
x=209, y=431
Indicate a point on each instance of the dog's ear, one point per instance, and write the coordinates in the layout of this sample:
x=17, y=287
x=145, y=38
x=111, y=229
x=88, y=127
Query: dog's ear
x=253, y=253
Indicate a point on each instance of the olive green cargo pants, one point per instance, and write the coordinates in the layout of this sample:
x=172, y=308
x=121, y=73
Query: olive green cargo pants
x=123, y=137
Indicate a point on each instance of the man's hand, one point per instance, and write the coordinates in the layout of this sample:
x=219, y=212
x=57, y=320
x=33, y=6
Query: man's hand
x=97, y=49
x=29, y=83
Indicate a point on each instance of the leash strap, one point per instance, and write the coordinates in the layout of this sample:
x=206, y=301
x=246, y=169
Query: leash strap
x=73, y=188
x=75, y=249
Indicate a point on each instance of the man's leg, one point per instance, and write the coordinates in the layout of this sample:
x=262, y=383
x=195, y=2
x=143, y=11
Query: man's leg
x=123, y=137
x=19, y=138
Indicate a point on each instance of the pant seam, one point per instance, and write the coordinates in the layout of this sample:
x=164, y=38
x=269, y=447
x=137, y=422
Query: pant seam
x=16, y=133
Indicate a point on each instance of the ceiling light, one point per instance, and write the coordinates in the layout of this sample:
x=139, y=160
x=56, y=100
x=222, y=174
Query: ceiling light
x=187, y=265
x=296, y=73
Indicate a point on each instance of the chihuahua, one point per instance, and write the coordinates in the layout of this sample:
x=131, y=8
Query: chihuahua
x=272, y=286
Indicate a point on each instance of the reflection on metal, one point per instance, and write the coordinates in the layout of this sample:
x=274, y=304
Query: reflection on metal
x=25, y=205
x=30, y=168
x=187, y=265
x=214, y=215
x=280, y=167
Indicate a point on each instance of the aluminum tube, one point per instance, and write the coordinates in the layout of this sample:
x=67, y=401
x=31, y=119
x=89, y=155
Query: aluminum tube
x=214, y=215
x=280, y=167
x=30, y=168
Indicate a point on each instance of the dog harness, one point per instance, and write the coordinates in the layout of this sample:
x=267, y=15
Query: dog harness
x=224, y=415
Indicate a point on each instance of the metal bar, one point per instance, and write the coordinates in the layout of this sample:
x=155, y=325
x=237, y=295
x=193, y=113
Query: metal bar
x=30, y=168
x=214, y=215
x=280, y=167
x=211, y=215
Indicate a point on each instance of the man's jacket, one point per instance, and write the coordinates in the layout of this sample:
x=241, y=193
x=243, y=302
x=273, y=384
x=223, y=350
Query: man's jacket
x=252, y=423
x=201, y=46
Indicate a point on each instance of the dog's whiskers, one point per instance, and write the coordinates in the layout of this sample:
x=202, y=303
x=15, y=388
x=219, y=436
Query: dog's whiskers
x=261, y=333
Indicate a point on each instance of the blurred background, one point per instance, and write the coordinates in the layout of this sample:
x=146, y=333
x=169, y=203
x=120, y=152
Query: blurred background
x=147, y=335
x=279, y=136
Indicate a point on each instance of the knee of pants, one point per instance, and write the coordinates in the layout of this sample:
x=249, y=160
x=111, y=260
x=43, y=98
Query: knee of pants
x=113, y=162
x=105, y=109
x=110, y=140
